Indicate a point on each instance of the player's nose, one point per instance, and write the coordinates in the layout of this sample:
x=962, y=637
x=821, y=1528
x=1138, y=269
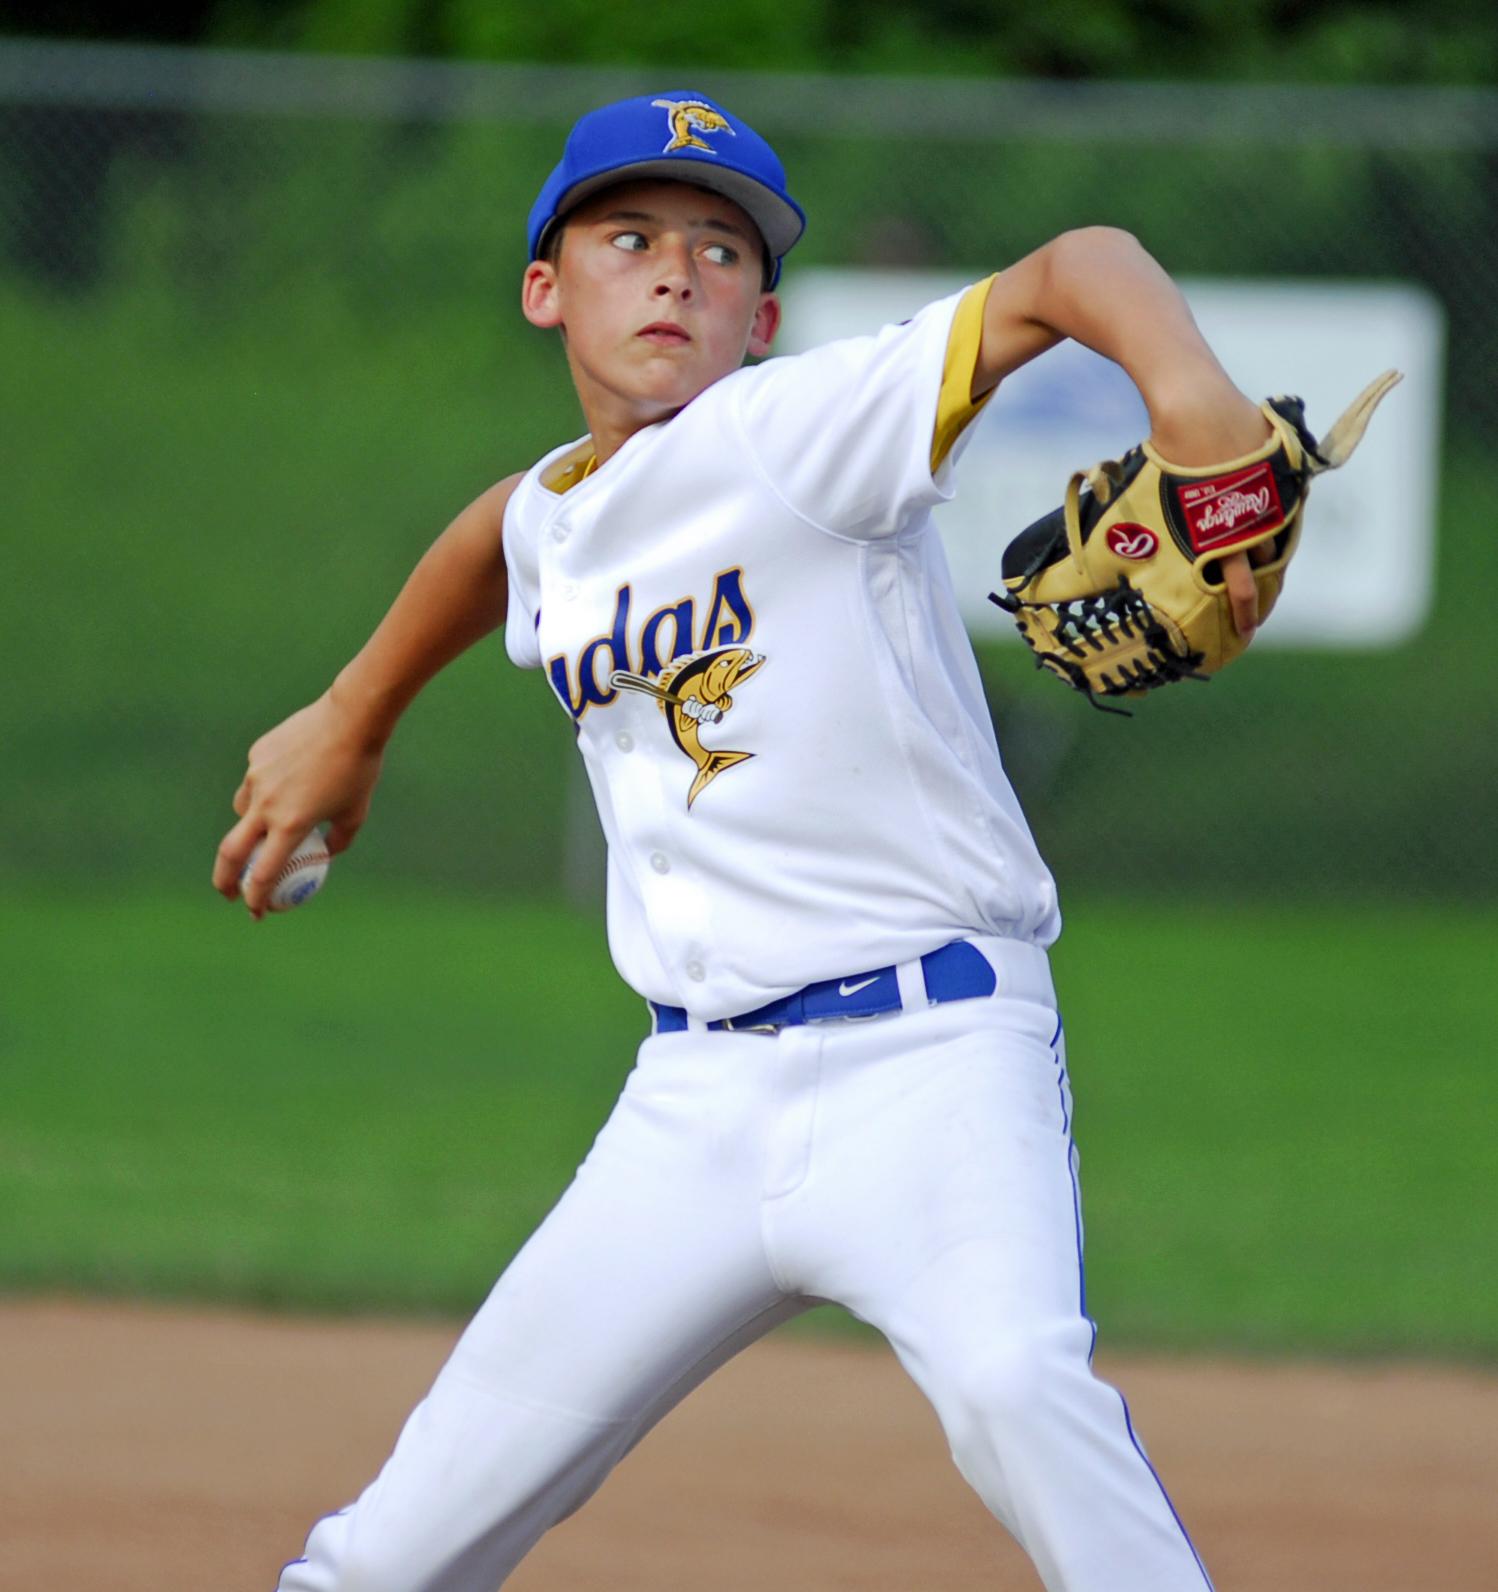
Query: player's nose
x=674, y=277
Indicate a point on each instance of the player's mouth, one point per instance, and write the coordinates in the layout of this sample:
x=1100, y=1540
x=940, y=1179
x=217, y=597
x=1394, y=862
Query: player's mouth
x=665, y=334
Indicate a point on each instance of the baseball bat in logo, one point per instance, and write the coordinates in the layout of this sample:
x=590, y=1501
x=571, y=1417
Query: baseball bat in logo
x=1132, y=541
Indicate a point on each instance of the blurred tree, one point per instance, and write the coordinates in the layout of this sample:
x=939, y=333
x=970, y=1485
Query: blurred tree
x=754, y=35
x=1385, y=41
x=167, y=21
x=62, y=203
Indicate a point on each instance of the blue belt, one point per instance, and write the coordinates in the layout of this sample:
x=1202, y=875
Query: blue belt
x=956, y=972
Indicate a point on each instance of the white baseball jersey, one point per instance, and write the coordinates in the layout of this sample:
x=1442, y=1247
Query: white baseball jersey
x=748, y=615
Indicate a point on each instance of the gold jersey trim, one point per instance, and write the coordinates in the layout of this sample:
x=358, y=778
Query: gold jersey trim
x=955, y=407
x=575, y=465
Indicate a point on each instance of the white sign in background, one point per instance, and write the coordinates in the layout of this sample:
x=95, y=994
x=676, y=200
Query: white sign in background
x=1363, y=575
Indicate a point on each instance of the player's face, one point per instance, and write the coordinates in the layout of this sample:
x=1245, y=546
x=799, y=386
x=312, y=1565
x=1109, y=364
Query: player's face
x=658, y=288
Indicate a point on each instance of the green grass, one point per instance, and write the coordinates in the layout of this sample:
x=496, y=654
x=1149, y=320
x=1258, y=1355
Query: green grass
x=369, y=1104
x=1285, y=1124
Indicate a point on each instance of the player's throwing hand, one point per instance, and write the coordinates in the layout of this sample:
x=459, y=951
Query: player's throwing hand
x=318, y=765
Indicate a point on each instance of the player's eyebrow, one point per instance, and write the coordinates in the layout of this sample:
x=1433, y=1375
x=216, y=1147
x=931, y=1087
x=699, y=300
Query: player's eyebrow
x=712, y=222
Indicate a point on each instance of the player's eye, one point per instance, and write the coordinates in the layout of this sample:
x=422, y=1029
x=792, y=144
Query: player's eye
x=634, y=242
x=721, y=254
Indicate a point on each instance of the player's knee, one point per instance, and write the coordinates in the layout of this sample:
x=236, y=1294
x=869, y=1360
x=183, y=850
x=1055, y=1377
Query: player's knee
x=1013, y=1385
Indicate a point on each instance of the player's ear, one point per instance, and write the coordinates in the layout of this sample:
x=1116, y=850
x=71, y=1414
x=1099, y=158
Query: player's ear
x=540, y=299
x=764, y=326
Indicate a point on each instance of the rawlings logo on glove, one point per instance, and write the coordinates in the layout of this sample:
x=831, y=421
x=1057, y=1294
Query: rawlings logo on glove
x=1120, y=590
x=1133, y=541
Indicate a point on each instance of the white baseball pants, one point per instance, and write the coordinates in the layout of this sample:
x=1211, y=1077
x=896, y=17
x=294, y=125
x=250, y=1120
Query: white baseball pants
x=917, y=1168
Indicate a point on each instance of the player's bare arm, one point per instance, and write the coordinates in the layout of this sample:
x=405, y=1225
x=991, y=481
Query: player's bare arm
x=322, y=763
x=1100, y=287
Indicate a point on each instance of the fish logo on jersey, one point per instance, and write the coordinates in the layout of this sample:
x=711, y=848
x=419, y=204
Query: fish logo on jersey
x=694, y=691
x=687, y=119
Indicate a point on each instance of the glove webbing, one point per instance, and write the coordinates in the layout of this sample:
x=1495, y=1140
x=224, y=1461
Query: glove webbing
x=1094, y=622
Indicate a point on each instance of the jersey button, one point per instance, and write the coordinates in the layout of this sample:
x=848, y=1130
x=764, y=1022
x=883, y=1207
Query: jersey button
x=624, y=741
x=662, y=864
x=696, y=972
x=569, y=590
x=560, y=533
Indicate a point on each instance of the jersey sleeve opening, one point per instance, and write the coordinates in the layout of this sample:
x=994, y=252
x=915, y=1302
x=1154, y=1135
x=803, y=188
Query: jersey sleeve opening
x=955, y=406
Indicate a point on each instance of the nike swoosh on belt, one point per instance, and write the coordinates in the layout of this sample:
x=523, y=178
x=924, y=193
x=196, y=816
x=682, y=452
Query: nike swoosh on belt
x=846, y=989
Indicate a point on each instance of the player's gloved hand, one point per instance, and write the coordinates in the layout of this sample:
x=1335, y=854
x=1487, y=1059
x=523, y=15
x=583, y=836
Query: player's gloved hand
x=321, y=764
x=1243, y=590
x=1159, y=566
x=1200, y=432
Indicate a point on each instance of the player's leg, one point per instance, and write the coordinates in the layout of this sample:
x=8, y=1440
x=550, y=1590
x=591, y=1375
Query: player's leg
x=649, y=1273
x=945, y=1211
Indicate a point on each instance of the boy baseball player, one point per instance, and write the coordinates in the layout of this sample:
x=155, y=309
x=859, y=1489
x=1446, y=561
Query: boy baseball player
x=854, y=1085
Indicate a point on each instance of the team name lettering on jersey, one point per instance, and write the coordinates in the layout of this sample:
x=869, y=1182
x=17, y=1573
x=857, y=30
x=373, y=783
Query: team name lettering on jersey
x=691, y=683
x=670, y=632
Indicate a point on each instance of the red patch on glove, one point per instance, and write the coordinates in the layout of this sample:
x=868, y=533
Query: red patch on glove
x=1232, y=508
x=1128, y=540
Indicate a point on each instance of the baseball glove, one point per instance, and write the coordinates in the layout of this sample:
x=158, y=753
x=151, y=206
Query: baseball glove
x=1120, y=590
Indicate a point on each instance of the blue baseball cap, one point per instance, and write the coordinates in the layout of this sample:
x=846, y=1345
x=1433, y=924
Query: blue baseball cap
x=680, y=137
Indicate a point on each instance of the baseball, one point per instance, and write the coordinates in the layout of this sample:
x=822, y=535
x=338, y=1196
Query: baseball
x=301, y=876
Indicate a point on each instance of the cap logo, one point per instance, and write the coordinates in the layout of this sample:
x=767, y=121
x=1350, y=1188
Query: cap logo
x=686, y=119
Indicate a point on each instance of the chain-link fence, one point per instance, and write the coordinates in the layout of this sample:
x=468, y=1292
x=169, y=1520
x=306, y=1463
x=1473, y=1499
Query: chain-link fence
x=260, y=337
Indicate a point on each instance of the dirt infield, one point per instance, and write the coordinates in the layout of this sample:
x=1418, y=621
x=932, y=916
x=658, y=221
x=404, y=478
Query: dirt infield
x=157, y=1450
